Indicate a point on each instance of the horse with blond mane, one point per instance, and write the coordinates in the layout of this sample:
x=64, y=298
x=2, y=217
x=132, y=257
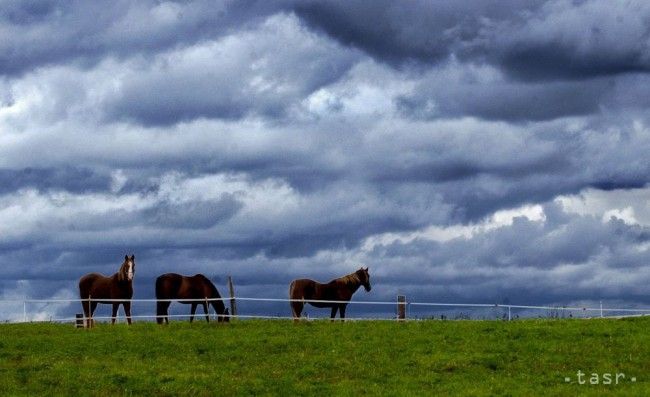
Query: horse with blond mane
x=335, y=294
x=115, y=290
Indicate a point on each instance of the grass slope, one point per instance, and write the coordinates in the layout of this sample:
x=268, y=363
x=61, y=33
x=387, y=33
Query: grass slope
x=528, y=357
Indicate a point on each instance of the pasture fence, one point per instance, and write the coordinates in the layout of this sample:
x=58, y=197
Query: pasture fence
x=404, y=310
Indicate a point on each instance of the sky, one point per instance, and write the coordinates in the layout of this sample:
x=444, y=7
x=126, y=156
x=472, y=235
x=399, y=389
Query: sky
x=491, y=151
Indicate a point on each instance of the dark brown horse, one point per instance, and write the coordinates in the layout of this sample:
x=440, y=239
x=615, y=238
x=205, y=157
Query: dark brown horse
x=178, y=287
x=97, y=288
x=340, y=289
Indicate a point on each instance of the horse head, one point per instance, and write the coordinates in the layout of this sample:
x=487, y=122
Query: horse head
x=127, y=270
x=364, y=278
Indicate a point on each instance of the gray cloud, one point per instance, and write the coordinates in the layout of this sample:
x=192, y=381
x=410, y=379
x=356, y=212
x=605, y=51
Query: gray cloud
x=263, y=71
x=531, y=41
x=506, y=100
x=572, y=40
x=197, y=214
x=560, y=258
x=564, y=258
x=72, y=179
x=423, y=32
x=54, y=32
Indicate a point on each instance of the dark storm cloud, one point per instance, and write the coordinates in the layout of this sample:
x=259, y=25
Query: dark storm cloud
x=535, y=40
x=506, y=100
x=422, y=32
x=572, y=40
x=199, y=214
x=561, y=251
x=531, y=41
x=447, y=168
x=72, y=179
x=165, y=215
x=336, y=234
x=536, y=46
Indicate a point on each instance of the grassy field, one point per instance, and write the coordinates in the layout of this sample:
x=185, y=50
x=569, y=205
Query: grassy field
x=527, y=357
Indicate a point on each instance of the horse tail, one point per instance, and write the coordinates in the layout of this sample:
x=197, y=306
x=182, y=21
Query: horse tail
x=159, y=287
x=296, y=307
x=293, y=294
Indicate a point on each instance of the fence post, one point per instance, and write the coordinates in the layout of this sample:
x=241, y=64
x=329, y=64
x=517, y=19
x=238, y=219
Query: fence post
x=90, y=313
x=401, y=307
x=509, y=315
x=233, y=305
x=207, y=308
x=25, y=311
x=601, y=309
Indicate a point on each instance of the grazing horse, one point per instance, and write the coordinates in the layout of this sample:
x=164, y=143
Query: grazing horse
x=96, y=288
x=340, y=289
x=178, y=287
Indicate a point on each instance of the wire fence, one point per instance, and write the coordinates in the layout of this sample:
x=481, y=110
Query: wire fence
x=44, y=310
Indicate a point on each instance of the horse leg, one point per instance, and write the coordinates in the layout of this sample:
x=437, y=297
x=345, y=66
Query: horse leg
x=205, y=310
x=296, y=309
x=161, y=312
x=334, y=309
x=93, y=306
x=115, y=307
x=342, y=308
x=127, y=311
x=192, y=312
x=85, y=305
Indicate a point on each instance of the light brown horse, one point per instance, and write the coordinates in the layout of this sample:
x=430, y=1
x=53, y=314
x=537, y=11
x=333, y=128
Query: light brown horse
x=99, y=288
x=340, y=289
x=194, y=290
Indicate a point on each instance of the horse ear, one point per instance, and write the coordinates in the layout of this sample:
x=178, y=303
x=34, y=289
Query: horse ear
x=132, y=257
x=126, y=257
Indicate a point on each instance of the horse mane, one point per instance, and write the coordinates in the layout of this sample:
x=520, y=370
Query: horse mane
x=121, y=274
x=351, y=279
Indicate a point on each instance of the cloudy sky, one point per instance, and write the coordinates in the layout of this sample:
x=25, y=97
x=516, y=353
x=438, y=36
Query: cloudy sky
x=464, y=151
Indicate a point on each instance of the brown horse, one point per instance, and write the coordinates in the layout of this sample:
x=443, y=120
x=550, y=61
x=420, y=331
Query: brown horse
x=340, y=289
x=194, y=289
x=96, y=288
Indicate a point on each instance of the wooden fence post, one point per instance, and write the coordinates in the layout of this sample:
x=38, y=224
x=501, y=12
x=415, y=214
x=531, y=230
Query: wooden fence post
x=91, y=322
x=207, y=309
x=233, y=305
x=401, y=307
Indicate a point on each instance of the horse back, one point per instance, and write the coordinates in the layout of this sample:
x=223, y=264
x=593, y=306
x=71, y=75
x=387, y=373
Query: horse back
x=303, y=288
x=176, y=286
x=89, y=279
x=168, y=286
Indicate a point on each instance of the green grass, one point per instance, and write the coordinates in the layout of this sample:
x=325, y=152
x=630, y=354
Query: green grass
x=528, y=357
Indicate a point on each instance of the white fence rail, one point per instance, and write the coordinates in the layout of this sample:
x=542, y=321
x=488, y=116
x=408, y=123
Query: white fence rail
x=413, y=310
